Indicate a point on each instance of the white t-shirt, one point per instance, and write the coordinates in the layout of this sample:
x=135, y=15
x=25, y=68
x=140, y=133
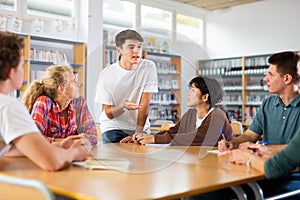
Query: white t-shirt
x=15, y=120
x=199, y=121
x=115, y=84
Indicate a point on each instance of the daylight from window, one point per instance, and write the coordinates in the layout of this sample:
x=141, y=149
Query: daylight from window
x=189, y=28
x=118, y=13
x=8, y=4
x=51, y=8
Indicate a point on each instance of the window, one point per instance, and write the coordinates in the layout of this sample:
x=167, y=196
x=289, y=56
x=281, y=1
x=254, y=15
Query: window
x=156, y=20
x=8, y=4
x=118, y=14
x=189, y=28
x=51, y=8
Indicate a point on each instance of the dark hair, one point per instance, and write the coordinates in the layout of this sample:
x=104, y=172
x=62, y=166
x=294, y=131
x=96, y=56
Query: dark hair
x=286, y=63
x=214, y=90
x=209, y=86
x=128, y=34
x=11, y=46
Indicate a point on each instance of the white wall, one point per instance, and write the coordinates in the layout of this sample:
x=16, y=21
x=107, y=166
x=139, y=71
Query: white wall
x=94, y=53
x=190, y=52
x=257, y=28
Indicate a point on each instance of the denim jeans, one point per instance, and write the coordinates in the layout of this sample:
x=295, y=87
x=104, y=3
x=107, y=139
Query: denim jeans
x=114, y=136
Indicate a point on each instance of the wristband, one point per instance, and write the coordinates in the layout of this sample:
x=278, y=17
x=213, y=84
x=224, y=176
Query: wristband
x=248, y=161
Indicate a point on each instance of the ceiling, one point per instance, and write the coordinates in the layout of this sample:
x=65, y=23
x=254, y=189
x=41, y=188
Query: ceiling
x=215, y=4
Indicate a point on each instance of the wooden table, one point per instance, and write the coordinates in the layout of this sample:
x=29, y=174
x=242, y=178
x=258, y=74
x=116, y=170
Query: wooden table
x=155, y=173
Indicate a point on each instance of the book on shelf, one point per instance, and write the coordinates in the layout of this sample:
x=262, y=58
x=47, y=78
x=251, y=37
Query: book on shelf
x=55, y=57
x=111, y=56
x=175, y=84
x=250, y=112
x=162, y=113
x=165, y=67
x=163, y=98
x=36, y=75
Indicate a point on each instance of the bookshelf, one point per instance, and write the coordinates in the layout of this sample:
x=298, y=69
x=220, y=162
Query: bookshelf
x=242, y=80
x=110, y=55
x=41, y=52
x=164, y=105
x=254, y=88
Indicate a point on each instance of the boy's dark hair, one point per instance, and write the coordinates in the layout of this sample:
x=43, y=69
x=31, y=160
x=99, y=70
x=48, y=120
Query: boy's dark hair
x=209, y=86
x=10, y=52
x=286, y=63
x=214, y=90
x=127, y=35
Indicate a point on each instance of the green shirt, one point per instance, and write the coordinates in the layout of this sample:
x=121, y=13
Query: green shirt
x=277, y=122
x=286, y=160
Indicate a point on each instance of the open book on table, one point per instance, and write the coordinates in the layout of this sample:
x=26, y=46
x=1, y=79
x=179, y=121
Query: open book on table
x=105, y=163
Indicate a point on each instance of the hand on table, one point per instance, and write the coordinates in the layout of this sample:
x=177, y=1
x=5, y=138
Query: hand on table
x=224, y=145
x=70, y=140
x=127, y=139
x=263, y=151
x=143, y=138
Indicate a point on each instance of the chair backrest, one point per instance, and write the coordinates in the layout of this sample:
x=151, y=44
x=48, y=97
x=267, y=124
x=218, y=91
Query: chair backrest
x=165, y=124
x=20, y=188
x=237, y=128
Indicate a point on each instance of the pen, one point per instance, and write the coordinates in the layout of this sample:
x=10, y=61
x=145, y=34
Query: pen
x=223, y=134
x=224, y=138
x=262, y=143
x=265, y=143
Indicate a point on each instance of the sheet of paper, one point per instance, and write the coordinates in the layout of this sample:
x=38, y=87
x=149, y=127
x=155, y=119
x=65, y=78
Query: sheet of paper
x=157, y=145
x=105, y=163
x=213, y=151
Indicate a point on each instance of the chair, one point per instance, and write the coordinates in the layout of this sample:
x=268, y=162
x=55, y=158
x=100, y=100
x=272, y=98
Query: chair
x=284, y=195
x=20, y=188
x=164, y=124
x=237, y=128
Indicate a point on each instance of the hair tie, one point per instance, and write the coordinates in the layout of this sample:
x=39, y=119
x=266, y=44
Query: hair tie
x=41, y=82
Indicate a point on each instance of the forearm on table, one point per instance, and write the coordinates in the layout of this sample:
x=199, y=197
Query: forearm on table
x=245, y=137
x=277, y=147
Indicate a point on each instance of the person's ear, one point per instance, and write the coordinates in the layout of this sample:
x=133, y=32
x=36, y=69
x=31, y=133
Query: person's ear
x=10, y=73
x=119, y=51
x=205, y=97
x=288, y=78
x=60, y=89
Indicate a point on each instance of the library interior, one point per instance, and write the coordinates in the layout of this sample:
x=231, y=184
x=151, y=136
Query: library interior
x=227, y=40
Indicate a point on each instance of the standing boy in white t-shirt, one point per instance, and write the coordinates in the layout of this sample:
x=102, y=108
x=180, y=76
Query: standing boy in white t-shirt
x=125, y=89
x=18, y=133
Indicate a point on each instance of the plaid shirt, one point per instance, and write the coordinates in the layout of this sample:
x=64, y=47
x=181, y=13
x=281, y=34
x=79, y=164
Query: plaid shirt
x=50, y=120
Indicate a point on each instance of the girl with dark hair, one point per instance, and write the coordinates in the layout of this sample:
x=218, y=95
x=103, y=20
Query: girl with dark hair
x=200, y=125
